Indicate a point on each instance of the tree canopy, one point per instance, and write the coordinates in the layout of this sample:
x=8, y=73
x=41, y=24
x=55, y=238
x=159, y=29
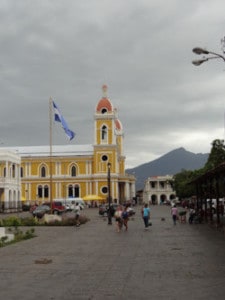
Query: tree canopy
x=182, y=180
x=216, y=156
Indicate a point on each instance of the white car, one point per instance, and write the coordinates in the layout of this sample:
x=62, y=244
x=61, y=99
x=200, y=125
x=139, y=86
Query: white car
x=70, y=203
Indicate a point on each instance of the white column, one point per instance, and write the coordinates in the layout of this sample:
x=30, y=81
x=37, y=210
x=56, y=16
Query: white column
x=127, y=191
x=133, y=190
x=6, y=169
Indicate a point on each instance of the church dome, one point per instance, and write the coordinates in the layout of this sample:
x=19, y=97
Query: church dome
x=104, y=105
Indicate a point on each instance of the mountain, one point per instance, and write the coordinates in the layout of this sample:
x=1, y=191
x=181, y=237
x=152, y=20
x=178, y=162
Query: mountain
x=169, y=164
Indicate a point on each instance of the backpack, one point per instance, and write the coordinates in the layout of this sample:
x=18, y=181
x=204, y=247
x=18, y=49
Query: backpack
x=125, y=215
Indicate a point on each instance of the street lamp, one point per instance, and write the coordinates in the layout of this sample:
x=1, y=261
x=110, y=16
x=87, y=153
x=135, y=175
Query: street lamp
x=212, y=55
x=109, y=195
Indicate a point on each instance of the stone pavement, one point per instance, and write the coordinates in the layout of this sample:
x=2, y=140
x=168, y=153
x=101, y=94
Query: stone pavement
x=95, y=262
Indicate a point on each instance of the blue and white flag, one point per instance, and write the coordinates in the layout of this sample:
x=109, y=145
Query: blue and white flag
x=59, y=118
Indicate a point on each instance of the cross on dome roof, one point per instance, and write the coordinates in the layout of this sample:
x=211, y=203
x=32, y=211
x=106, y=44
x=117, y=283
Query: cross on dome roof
x=104, y=90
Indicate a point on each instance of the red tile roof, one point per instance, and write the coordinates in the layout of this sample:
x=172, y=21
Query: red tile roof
x=104, y=103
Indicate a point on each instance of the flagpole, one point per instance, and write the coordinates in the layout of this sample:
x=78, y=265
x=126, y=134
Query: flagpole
x=50, y=151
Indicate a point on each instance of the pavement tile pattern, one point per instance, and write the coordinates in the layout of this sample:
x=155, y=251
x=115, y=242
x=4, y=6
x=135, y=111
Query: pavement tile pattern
x=94, y=262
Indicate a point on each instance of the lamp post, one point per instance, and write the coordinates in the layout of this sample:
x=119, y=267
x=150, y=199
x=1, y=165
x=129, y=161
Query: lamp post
x=109, y=195
x=210, y=55
x=26, y=195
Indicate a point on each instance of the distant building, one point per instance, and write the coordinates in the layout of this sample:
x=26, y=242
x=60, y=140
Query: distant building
x=10, y=183
x=80, y=170
x=158, y=189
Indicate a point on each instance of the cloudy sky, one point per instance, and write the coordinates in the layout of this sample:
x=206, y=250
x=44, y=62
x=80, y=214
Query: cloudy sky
x=142, y=50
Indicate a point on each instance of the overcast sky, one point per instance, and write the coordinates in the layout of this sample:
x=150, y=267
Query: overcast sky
x=142, y=50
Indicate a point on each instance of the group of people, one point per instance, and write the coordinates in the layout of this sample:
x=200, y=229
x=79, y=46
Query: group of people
x=122, y=215
x=175, y=215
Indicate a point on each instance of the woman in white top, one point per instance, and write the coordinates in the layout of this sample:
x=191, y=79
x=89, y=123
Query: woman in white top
x=174, y=213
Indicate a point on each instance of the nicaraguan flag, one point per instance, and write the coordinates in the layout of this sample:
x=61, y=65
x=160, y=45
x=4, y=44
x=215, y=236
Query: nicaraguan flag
x=59, y=118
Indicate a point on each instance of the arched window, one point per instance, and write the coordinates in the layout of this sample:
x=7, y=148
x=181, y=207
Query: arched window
x=104, y=110
x=73, y=171
x=70, y=191
x=104, y=132
x=40, y=195
x=77, y=191
x=74, y=191
x=43, y=172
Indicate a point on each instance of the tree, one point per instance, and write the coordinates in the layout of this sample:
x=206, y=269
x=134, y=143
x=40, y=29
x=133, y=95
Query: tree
x=181, y=186
x=182, y=180
x=216, y=156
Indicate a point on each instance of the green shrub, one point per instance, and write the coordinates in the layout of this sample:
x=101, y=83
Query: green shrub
x=11, y=221
x=19, y=236
x=29, y=234
x=3, y=241
x=29, y=221
x=67, y=220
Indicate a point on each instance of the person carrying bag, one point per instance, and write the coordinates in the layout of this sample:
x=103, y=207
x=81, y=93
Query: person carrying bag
x=146, y=215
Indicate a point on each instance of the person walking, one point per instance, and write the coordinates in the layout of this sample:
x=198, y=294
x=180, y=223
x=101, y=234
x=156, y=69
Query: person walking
x=118, y=217
x=146, y=215
x=174, y=213
x=191, y=215
x=77, y=210
x=125, y=217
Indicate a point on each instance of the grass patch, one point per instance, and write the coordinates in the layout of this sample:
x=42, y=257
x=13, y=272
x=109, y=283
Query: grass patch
x=19, y=236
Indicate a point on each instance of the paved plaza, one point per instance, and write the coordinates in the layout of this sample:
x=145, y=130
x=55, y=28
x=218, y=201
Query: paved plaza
x=95, y=262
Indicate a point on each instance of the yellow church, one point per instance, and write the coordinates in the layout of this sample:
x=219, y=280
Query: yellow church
x=76, y=171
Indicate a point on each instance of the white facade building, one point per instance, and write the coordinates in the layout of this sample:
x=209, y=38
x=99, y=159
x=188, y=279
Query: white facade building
x=10, y=182
x=158, y=189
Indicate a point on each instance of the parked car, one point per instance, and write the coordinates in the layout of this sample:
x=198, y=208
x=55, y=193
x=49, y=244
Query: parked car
x=33, y=207
x=40, y=211
x=70, y=203
x=57, y=207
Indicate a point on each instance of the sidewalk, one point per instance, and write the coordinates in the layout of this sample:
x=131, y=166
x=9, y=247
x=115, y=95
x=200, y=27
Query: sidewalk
x=95, y=262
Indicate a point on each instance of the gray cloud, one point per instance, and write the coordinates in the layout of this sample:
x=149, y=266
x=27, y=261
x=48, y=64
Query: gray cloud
x=140, y=49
